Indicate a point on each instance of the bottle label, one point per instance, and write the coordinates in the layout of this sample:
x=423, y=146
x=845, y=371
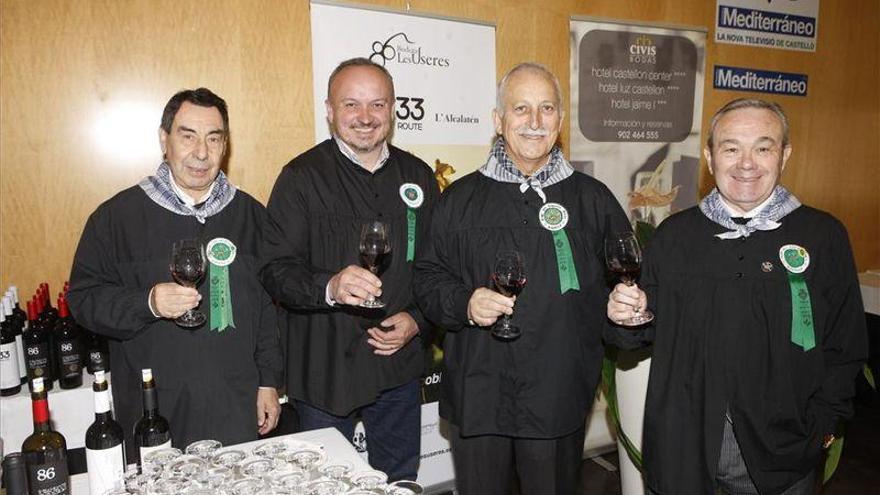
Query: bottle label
x=9, y=376
x=37, y=359
x=49, y=478
x=70, y=357
x=22, y=364
x=97, y=361
x=106, y=468
x=102, y=401
x=146, y=450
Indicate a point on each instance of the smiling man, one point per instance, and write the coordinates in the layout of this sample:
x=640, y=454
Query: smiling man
x=517, y=406
x=345, y=360
x=759, y=328
x=217, y=380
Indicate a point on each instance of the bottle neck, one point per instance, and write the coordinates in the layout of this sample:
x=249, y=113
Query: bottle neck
x=102, y=402
x=41, y=415
x=151, y=402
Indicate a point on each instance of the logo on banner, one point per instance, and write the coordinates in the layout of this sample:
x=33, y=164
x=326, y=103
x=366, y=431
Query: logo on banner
x=400, y=49
x=643, y=50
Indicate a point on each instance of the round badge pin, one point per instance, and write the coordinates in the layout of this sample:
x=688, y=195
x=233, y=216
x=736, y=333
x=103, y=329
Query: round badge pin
x=794, y=258
x=412, y=195
x=220, y=251
x=553, y=216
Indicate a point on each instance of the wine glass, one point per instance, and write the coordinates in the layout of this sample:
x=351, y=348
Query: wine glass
x=188, y=269
x=509, y=277
x=624, y=259
x=373, y=247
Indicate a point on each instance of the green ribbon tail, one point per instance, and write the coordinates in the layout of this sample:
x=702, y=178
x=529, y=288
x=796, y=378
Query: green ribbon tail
x=221, y=299
x=802, y=332
x=410, y=234
x=568, y=278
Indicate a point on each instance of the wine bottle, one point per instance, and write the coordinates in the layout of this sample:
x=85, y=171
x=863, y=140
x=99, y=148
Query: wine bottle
x=15, y=474
x=105, y=455
x=67, y=348
x=10, y=381
x=98, y=354
x=21, y=320
x=45, y=451
x=151, y=432
x=36, y=347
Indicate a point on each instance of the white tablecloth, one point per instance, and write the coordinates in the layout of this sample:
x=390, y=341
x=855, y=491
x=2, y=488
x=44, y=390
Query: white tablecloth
x=71, y=412
x=335, y=446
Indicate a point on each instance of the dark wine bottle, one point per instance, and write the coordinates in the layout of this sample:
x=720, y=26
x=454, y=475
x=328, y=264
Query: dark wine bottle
x=105, y=455
x=15, y=474
x=151, y=432
x=68, y=350
x=10, y=381
x=45, y=451
x=21, y=322
x=36, y=348
x=98, y=354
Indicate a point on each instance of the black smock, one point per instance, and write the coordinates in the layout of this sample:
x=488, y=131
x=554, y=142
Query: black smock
x=542, y=384
x=207, y=381
x=317, y=207
x=722, y=339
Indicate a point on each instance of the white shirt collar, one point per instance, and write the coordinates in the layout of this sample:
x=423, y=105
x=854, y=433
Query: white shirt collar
x=351, y=155
x=186, y=198
x=749, y=214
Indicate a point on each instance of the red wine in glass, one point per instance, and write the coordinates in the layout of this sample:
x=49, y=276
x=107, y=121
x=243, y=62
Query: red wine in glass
x=374, y=250
x=624, y=259
x=188, y=269
x=509, y=278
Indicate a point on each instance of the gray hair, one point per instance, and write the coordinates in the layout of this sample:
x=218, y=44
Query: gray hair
x=531, y=67
x=749, y=103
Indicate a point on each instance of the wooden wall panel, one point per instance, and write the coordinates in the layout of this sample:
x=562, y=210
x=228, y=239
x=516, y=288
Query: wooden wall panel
x=83, y=82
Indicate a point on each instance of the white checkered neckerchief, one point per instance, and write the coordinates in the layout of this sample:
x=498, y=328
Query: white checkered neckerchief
x=159, y=188
x=781, y=203
x=501, y=168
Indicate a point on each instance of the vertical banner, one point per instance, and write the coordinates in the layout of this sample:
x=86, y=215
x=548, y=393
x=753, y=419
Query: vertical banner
x=444, y=79
x=636, y=107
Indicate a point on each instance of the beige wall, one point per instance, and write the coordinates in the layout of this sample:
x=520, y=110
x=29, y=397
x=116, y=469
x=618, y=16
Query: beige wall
x=68, y=67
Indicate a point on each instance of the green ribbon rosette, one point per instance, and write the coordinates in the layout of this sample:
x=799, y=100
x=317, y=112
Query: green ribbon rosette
x=796, y=260
x=554, y=217
x=221, y=253
x=412, y=195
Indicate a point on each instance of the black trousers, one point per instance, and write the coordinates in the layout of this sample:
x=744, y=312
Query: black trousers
x=487, y=464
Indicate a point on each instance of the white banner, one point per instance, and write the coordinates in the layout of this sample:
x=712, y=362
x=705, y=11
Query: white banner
x=443, y=70
x=785, y=25
x=444, y=80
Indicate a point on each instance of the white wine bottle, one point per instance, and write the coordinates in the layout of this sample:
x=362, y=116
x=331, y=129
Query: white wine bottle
x=105, y=455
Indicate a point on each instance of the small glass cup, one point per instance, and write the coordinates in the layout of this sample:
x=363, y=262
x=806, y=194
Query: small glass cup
x=174, y=485
x=368, y=478
x=325, y=486
x=203, y=448
x=215, y=476
x=271, y=449
x=158, y=459
x=404, y=487
x=336, y=469
x=228, y=458
x=248, y=486
x=257, y=468
x=294, y=481
x=186, y=466
x=307, y=457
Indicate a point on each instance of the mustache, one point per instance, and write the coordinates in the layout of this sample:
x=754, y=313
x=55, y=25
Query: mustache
x=529, y=132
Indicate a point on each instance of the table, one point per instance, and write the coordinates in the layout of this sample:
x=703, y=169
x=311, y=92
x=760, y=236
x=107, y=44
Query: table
x=335, y=445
